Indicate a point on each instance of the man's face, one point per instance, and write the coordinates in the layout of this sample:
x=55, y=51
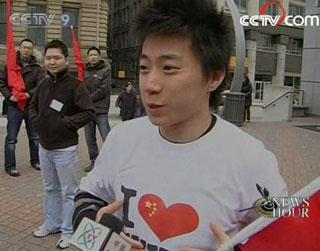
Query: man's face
x=93, y=57
x=26, y=49
x=129, y=88
x=173, y=86
x=55, y=61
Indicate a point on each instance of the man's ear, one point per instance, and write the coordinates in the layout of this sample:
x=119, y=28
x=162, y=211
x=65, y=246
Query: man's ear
x=216, y=80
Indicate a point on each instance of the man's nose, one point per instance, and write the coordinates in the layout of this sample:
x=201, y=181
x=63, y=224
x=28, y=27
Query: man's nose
x=152, y=82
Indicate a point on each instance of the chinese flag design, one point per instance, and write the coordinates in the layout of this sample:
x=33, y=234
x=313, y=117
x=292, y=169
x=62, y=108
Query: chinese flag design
x=167, y=222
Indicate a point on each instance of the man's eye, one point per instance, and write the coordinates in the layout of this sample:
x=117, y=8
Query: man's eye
x=143, y=67
x=170, y=68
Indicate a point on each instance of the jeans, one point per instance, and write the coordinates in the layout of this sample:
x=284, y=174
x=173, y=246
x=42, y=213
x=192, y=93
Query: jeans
x=60, y=186
x=14, y=118
x=101, y=121
x=247, y=113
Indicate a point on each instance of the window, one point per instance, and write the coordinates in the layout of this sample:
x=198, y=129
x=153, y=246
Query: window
x=295, y=10
x=123, y=16
x=117, y=18
x=135, y=10
x=258, y=90
x=127, y=14
x=73, y=19
x=295, y=46
x=292, y=81
x=258, y=85
x=3, y=23
x=37, y=31
x=264, y=42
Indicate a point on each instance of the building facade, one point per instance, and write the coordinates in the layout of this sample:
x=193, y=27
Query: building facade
x=310, y=82
x=45, y=20
x=273, y=53
x=122, y=42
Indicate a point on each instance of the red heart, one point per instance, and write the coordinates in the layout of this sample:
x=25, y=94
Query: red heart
x=169, y=222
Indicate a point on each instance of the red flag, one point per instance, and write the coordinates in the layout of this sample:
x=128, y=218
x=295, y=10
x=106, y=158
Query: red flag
x=77, y=55
x=297, y=230
x=15, y=80
x=290, y=233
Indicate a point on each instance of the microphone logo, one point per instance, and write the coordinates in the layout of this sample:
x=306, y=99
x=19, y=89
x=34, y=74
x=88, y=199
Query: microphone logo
x=89, y=236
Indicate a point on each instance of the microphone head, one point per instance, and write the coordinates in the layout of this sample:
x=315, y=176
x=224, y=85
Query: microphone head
x=112, y=222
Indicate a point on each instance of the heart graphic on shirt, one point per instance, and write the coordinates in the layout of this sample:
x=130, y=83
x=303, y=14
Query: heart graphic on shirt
x=167, y=222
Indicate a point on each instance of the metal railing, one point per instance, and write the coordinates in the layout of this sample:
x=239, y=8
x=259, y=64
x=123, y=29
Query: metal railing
x=301, y=92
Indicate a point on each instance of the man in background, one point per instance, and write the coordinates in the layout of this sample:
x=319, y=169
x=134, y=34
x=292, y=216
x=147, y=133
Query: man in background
x=127, y=102
x=98, y=82
x=32, y=74
x=247, y=90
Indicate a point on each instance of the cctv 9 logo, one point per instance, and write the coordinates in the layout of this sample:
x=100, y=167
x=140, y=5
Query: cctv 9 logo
x=68, y=20
x=41, y=19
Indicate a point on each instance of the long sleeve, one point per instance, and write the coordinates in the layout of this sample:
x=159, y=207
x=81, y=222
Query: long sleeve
x=34, y=108
x=39, y=77
x=86, y=205
x=85, y=109
x=4, y=89
x=103, y=89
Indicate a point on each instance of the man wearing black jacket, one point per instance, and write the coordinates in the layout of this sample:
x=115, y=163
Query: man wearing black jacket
x=61, y=105
x=98, y=82
x=32, y=75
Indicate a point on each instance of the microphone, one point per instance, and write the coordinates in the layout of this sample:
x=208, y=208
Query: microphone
x=102, y=236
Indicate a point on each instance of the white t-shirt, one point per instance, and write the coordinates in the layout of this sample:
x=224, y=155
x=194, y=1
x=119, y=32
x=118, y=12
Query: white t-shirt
x=179, y=189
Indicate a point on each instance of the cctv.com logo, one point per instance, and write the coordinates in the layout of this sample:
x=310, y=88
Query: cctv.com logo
x=265, y=20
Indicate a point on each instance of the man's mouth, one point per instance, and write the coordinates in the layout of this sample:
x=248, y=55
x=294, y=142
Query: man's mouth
x=154, y=108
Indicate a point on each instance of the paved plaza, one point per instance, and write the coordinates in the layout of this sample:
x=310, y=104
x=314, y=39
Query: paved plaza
x=296, y=145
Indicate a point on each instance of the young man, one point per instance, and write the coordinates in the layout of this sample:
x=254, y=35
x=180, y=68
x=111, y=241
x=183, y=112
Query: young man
x=32, y=74
x=98, y=82
x=60, y=106
x=181, y=168
x=247, y=90
x=127, y=102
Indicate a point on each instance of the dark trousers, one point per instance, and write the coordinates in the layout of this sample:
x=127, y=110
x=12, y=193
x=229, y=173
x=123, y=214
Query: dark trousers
x=14, y=121
x=101, y=121
x=246, y=113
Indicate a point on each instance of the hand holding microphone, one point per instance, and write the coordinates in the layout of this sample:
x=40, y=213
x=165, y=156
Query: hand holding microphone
x=106, y=235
